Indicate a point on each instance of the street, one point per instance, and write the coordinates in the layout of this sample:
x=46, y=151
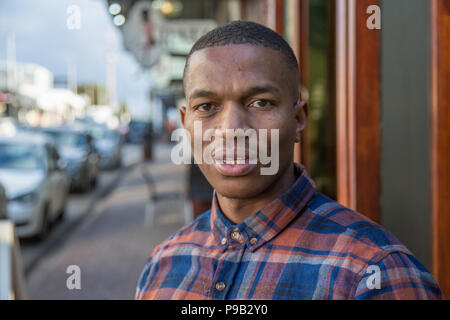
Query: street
x=112, y=243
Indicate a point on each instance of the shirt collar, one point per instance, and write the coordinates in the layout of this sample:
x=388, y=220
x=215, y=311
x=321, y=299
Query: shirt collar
x=266, y=223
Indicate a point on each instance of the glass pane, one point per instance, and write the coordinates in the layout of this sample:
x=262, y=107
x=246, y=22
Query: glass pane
x=321, y=115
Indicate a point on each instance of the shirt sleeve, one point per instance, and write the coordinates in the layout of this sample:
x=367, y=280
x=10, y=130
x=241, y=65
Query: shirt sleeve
x=397, y=276
x=142, y=282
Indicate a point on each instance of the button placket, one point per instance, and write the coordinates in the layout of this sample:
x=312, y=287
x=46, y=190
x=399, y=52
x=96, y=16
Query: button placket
x=222, y=281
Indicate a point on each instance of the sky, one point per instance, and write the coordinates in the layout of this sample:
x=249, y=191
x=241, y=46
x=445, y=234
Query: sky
x=42, y=37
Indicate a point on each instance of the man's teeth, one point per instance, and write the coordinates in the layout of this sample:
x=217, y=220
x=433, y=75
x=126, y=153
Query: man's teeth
x=231, y=162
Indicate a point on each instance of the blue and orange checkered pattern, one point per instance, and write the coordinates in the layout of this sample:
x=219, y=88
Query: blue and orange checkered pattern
x=303, y=245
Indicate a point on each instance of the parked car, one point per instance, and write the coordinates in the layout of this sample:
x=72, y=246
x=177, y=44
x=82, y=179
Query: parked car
x=76, y=147
x=109, y=145
x=35, y=182
x=137, y=131
x=3, y=202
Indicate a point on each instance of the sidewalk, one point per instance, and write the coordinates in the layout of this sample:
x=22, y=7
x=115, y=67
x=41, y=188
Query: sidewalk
x=113, y=244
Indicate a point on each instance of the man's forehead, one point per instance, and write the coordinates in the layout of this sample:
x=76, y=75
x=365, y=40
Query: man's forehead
x=216, y=65
x=234, y=53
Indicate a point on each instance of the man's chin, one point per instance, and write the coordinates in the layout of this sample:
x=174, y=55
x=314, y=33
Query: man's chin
x=242, y=188
x=232, y=194
x=247, y=186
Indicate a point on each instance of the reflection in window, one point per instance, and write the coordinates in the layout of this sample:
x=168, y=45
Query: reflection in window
x=321, y=115
x=20, y=157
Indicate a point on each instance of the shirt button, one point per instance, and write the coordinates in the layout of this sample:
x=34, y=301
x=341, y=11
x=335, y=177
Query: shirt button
x=235, y=235
x=224, y=241
x=220, y=286
x=253, y=241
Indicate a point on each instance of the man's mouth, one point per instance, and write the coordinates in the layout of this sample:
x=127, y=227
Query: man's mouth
x=234, y=170
x=231, y=161
x=234, y=166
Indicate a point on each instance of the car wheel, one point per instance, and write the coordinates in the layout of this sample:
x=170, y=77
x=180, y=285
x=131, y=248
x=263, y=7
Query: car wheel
x=61, y=212
x=86, y=185
x=3, y=213
x=94, y=181
x=45, y=227
x=118, y=163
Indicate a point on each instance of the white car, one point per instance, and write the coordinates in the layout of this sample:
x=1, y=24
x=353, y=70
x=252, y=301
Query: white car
x=35, y=182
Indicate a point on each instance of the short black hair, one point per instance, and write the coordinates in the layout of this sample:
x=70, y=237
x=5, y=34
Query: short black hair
x=245, y=32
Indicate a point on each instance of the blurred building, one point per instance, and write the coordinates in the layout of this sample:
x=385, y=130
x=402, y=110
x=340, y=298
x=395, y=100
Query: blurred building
x=59, y=106
x=24, y=83
x=28, y=92
x=376, y=82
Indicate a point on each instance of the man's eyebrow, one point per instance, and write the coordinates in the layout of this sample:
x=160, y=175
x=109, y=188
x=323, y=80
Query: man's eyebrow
x=260, y=89
x=200, y=93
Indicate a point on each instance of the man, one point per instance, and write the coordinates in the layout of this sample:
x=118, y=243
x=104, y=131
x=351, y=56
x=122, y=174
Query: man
x=269, y=236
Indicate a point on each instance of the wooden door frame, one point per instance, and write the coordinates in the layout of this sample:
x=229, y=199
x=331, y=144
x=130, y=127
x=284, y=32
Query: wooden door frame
x=357, y=108
x=440, y=142
x=299, y=31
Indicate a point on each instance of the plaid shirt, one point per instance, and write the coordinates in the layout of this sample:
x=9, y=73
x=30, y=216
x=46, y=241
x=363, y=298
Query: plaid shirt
x=302, y=245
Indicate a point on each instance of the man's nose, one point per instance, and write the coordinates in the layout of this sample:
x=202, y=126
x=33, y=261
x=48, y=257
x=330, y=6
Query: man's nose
x=233, y=116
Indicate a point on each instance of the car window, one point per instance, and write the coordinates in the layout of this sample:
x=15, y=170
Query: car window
x=70, y=139
x=104, y=134
x=21, y=157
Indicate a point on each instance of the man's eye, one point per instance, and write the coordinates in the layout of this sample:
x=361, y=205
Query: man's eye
x=260, y=103
x=205, y=107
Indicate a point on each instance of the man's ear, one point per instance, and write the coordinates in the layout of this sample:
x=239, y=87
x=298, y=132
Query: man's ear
x=182, y=111
x=300, y=117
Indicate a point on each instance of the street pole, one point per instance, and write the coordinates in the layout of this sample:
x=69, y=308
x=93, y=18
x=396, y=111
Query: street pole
x=111, y=86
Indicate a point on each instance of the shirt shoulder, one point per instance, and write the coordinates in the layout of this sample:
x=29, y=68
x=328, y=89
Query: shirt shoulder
x=197, y=233
x=374, y=254
x=329, y=216
x=194, y=233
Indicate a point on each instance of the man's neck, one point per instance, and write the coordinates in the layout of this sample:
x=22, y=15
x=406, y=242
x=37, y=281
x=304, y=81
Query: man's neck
x=237, y=210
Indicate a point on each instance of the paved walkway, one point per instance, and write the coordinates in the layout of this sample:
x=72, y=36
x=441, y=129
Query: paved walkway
x=114, y=242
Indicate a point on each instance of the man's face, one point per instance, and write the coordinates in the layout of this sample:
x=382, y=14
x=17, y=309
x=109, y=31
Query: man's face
x=242, y=87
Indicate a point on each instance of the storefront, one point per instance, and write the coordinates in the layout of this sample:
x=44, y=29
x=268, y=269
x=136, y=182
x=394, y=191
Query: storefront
x=378, y=130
